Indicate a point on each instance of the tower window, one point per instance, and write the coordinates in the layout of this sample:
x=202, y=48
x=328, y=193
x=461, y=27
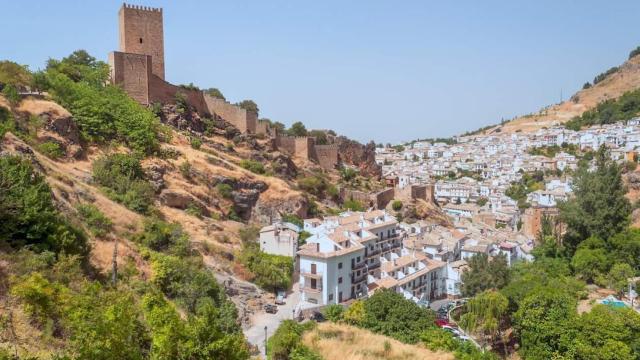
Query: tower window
x=140, y=40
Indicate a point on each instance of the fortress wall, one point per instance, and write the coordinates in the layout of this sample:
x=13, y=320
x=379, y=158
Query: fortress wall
x=244, y=120
x=326, y=155
x=164, y=92
x=419, y=192
x=383, y=197
x=360, y=196
x=132, y=72
x=304, y=147
x=286, y=144
x=262, y=127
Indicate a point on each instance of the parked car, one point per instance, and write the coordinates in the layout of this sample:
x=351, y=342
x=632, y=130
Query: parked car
x=442, y=322
x=280, y=298
x=270, y=308
x=452, y=330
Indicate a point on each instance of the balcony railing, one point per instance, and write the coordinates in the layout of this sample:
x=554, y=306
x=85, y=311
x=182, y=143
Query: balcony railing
x=308, y=288
x=307, y=274
x=373, y=252
x=359, y=265
x=358, y=279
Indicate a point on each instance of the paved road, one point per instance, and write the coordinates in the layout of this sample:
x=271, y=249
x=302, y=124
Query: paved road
x=436, y=304
x=255, y=333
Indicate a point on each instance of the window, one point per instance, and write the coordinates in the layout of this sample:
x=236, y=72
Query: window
x=140, y=40
x=313, y=268
x=358, y=258
x=339, y=265
x=330, y=297
x=340, y=280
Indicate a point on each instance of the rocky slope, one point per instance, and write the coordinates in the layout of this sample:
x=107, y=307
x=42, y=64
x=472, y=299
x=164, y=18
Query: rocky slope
x=624, y=79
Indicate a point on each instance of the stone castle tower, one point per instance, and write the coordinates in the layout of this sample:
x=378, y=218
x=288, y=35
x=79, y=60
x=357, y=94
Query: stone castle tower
x=141, y=32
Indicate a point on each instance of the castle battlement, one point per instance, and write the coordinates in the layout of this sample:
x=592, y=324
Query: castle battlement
x=140, y=7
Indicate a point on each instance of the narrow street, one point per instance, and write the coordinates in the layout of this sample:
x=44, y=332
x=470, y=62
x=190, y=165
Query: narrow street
x=255, y=333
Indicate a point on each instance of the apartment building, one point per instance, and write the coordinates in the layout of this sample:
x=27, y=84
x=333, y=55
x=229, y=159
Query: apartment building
x=349, y=256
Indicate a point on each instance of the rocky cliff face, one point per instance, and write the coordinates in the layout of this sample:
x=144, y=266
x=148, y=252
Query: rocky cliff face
x=361, y=156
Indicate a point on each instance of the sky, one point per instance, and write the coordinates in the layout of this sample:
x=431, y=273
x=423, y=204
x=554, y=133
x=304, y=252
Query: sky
x=380, y=70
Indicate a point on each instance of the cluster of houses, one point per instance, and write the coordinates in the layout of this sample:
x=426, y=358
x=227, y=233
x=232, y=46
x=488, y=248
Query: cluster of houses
x=354, y=254
x=471, y=176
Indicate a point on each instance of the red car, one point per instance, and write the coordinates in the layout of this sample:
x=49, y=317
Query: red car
x=442, y=322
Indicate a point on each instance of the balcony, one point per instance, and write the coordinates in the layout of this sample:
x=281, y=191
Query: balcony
x=358, y=279
x=309, y=289
x=359, y=265
x=373, y=252
x=310, y=275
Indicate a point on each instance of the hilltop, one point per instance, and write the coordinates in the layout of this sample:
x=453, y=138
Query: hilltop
x=611, y=84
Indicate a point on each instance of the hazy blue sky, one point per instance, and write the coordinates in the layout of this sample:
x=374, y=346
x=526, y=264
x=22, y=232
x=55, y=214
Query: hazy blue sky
x=383, y=70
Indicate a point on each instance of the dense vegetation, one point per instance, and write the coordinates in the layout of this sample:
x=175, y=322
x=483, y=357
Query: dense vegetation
x=181, y=313
x=28, y=215
x=390, y=314
x=268, y=271
x=123, y=180
x=103, y=112
x=539, y=299
x=528, y=183
x=623, y=108
x=286, y=342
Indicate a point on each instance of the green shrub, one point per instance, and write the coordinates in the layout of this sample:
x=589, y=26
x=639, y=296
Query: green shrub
x=51, y=149
x=253, y=166
x=353, y=205
x=390, y=314
x=28, y=215
x=334, y=312
x=98, y=224
x=396, y=205
x=6, y=121
x=271, y=272
x=196, y=143
x=38, y=297
x=124, y=181
x=314, y=184
x=11, y=94
x=185, y=169
x=159, y=235
x=286, y=342
x=294, y=219
x=225, y=190
x=348, y=174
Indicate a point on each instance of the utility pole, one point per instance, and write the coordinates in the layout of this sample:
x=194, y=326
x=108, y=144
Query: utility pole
x=265, y=341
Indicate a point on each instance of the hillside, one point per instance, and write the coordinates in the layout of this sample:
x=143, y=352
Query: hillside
x=624, y=79
x=336, y=341
x=157, y=207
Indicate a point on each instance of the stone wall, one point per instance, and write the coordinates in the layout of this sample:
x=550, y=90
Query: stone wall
x=132, y=73
x=299, y=146
x=161, y=91
x=326, y=156
x=382, y=198
x=378, y=200
x=141, y=32
x=245, y=121
x=263, y=127
x=419, y=192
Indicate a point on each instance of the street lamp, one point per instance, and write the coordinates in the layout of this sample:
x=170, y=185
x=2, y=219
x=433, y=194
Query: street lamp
x=265, y=341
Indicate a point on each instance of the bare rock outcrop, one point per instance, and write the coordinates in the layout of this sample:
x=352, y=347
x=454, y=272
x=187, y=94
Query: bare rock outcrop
x=361, y=156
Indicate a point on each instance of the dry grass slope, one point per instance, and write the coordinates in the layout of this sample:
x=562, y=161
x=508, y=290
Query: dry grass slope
x=344, y=342
x=627, y=78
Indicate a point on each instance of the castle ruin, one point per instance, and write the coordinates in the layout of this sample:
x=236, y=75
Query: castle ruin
x=138, y=68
